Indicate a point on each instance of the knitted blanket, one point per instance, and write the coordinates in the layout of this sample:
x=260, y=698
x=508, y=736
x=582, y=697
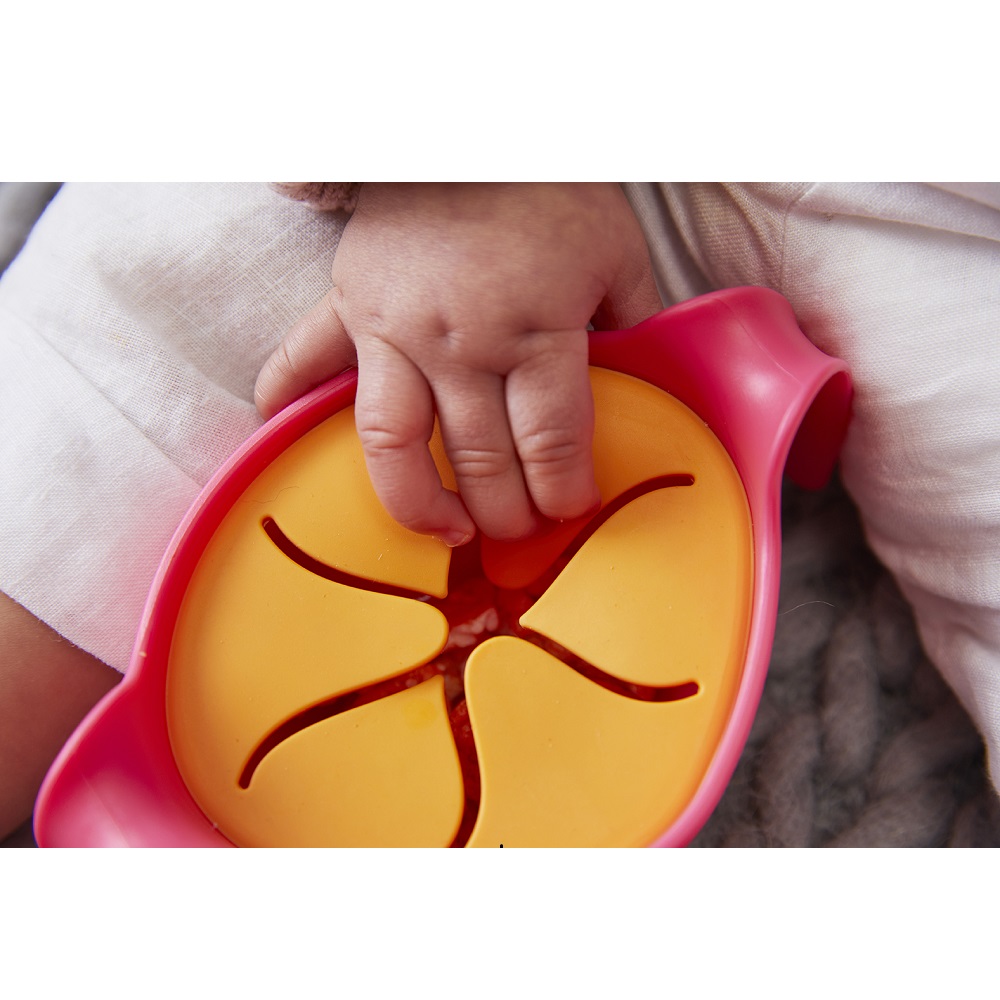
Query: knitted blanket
x=857, y=741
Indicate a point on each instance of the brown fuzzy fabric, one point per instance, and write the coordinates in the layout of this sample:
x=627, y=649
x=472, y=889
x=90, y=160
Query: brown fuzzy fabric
x=321, y=195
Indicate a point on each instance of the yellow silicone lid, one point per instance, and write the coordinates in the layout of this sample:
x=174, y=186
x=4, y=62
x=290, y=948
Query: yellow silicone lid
x=314, y=696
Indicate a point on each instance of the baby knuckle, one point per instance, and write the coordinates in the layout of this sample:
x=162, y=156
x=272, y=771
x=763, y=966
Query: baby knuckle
x=283, y=362
x=479, y=463
x=380, y=437
x=551, y=449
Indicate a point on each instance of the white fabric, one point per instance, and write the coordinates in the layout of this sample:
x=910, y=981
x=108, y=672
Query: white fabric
x=902, y=281
x=132, y=327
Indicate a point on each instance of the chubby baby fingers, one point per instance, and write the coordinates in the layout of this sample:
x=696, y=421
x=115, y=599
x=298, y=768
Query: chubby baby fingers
x=551, y=412
x=315, y=349
x=480, y=448
x=394, y=414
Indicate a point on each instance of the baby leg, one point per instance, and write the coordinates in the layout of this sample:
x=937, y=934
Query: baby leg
x=49, y=685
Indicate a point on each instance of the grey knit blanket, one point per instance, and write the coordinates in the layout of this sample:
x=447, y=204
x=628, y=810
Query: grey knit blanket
x=858, y=742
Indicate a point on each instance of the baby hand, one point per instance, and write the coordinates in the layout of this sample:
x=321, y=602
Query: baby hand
x=472, y=302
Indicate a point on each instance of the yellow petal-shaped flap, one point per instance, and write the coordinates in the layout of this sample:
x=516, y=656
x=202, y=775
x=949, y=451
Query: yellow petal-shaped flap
x=382, y=775
x=641, y=434
x=259, y=637
x=660, y=593
x=566, y=763
x=319, y=492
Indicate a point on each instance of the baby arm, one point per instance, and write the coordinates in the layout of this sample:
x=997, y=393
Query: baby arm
x=471, y=303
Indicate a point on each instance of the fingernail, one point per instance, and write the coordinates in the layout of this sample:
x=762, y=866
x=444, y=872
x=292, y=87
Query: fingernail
x=453, y=539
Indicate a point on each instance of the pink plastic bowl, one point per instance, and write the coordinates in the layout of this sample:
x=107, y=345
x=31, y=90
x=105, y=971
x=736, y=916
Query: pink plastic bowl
x=735, y=357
